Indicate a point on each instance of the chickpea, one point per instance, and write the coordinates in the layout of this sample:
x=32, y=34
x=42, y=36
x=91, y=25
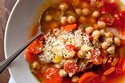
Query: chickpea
x=81, y=54
x=102, y=31
x=109, y=34
x=63, y=20
x=63, y=6
x=85, y=47
x=75, y=79
x=81, y=19
x=89, y=30
x=79, y=31
x=96, y=34
x=85, y=4
x=62, y=73
x=85, y=11
x=36, y=65
x=117, y=41
x=111, y=49
x=101, y=24
x=48, y=18
x=109, y=40
x=95, y=25
x=71, y=19
x=95, y=14
x=104, y=45
x=78, y=11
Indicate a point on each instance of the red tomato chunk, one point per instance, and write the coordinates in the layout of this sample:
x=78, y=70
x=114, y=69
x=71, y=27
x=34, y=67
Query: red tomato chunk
x=52, y=76
x=70, y=67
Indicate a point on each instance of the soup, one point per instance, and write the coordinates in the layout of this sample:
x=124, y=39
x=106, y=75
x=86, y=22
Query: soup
x=83, y=43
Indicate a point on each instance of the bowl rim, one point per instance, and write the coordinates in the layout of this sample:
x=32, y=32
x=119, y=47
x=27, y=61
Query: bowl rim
x=5, y=34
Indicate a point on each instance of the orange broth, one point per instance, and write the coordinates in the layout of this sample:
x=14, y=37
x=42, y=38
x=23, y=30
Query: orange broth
x=113, y=16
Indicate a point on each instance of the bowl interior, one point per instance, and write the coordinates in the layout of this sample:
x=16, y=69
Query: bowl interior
x=16, y=36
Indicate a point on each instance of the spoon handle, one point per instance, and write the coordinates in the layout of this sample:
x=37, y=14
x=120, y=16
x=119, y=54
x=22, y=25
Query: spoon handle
x=7, y=61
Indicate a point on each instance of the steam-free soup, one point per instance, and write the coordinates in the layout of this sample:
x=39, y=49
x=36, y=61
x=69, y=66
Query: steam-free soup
x=83, y=43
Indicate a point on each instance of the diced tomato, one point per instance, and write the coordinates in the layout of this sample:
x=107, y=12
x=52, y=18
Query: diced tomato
x=120, y=68
x=30, y=57
x=96, y=58
x=107, y=18
x=121, y=22
x=52, y=76
x=69, y=28
x=118, y=21
x=89, y=77
x=71, y=47
x=122, y=14
x=103, y=53
x=122, y=42
x=109, y=7
x=70, y=67
x=36, y=47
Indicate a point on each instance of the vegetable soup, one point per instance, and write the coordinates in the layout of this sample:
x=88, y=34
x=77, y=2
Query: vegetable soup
x=84, y=43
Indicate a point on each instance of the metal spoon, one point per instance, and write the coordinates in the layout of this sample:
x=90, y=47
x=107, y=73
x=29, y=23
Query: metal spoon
x=41, y=30
x=7, y=61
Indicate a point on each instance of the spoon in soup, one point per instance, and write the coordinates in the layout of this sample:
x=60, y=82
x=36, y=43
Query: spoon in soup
x=41, y=30
x=7, y=61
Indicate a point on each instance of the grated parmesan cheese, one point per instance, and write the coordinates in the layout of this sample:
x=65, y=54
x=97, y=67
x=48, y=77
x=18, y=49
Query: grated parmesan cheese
x=55, y=45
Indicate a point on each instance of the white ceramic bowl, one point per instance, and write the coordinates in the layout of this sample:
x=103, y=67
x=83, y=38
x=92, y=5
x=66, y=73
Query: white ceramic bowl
x=16, y=36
